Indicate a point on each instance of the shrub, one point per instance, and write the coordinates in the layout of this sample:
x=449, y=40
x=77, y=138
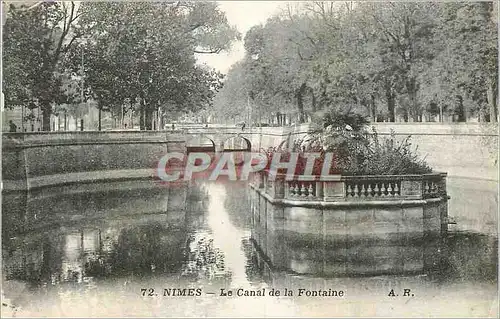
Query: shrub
x=301, y=160
x=387, y=156
x=356, y=150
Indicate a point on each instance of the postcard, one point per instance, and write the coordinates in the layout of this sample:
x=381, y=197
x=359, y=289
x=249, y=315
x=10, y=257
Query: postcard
x=234, y=159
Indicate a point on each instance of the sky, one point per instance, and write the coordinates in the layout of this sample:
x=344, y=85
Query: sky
x=243, y=15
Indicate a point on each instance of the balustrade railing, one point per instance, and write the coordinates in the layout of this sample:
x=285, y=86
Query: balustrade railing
x=373, y=189
x=302, y=190
x=353, y=188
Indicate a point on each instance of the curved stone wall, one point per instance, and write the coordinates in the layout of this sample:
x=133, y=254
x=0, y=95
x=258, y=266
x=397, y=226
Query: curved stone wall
x=34, y=160
x=348, y=237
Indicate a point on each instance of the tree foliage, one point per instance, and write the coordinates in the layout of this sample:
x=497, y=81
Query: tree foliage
x=36, y=40
x=127, y=56
x=384, y=60
x=149, y=62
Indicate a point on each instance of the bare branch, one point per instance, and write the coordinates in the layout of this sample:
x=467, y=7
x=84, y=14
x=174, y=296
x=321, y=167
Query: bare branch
x=194, y=27
x=64, y=17
x=68, y=46
x=65, y=31
x=213, y=51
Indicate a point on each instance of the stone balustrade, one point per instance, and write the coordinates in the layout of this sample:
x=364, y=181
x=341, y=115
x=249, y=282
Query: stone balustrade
x=353, y=188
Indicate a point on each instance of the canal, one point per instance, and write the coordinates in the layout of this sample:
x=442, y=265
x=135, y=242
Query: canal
x=144, y=249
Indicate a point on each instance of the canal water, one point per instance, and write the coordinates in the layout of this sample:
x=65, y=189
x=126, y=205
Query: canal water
x=145, y=250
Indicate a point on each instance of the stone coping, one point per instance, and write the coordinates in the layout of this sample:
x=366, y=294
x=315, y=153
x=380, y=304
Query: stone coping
x=406, y=177
x=436, y=128
x=340, y=177
x=150, y=173
x=20, y=141
x=96, y=186
x=78, y=178
x=346, y=204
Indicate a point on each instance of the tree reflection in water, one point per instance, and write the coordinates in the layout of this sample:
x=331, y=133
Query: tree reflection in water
x=237, y=203
x=147, y=249
x=205, y=262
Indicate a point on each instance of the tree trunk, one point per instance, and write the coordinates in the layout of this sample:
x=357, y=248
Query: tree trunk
x=322, y=101
x=415, y=116
x=142, y=120
x=159, y=121
x=313, y=103
x=300, y=102
x=373, y=108
x=46, y=112
x=460, y=109
x=99, y=119
x=65, y=121
x=411, y=87
x=391, y=103
x=148, y=119
x=405, y=115
x=466, y=113
x=155, y=120
x=492, y=103
x=481, y=115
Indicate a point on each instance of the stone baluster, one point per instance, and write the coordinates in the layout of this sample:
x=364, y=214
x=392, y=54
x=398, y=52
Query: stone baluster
x=303, y=191
x=434, y=188
x=383, y=190
x=297, y=190
x=376, y=190
x=396, y=189
x=310, y=190
x=389, y=189
x=349, y=191
x=356, y=190
x=426, y=188
x=370, y=190
x=363, y=191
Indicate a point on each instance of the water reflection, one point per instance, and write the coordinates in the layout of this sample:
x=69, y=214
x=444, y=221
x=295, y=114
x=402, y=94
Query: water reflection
x=65, y=255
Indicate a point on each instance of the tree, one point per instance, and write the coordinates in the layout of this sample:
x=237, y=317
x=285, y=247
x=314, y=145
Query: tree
x=465, y=69
x=150, y=59
x=35, y=42
x=276, y=67
x=230, y=104
x=379, y=59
